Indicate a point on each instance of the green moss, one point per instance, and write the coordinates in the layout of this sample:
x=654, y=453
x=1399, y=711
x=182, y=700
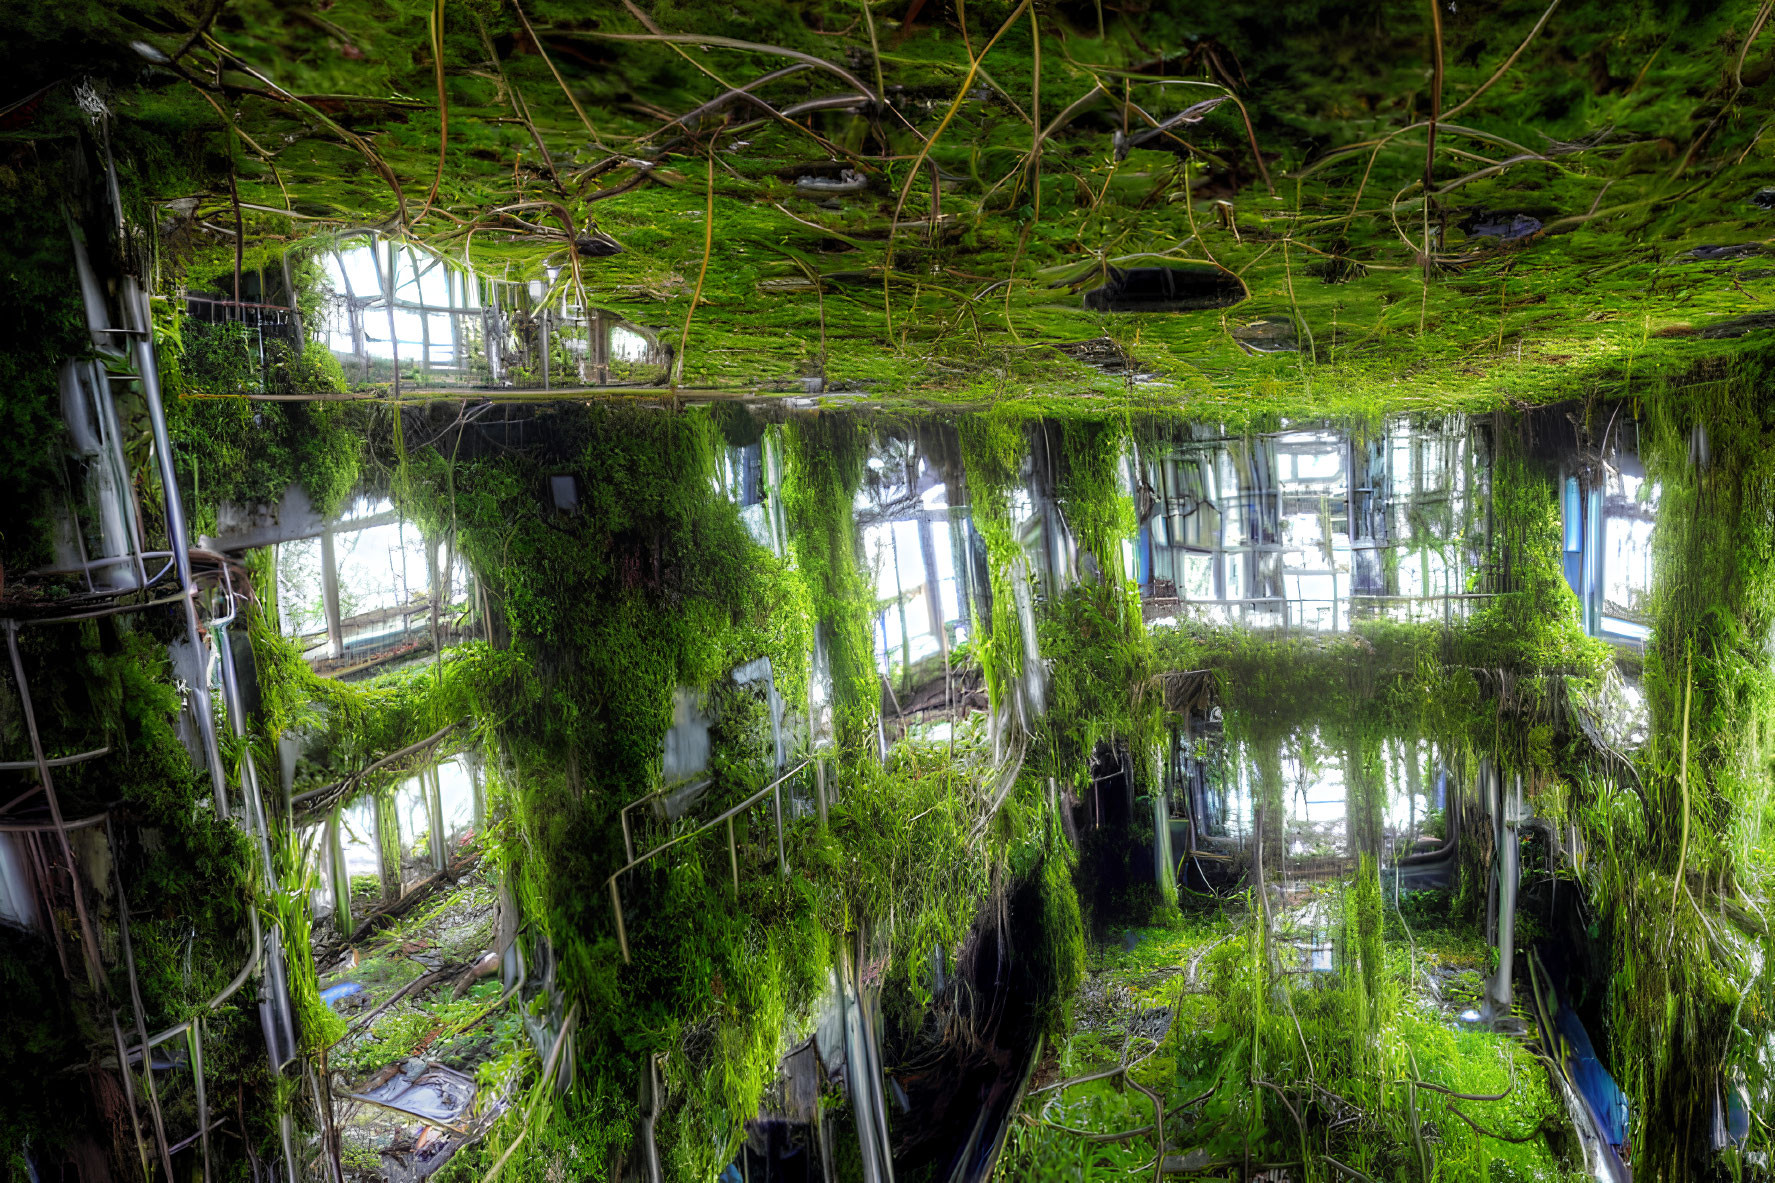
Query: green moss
x=232, y=450
x=826, y=456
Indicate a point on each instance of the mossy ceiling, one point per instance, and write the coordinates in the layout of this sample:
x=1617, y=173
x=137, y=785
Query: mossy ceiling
x=1583, y=154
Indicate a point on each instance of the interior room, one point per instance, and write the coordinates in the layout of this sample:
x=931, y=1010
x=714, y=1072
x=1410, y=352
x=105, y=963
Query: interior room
x=887, y=591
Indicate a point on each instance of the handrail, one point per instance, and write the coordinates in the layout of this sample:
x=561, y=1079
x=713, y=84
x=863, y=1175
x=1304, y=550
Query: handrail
x=134, y=1053
x=54, y=761
x=773, y=788
x=628, y=840
x=110, y=609
x=95, y=564
x=48, y=826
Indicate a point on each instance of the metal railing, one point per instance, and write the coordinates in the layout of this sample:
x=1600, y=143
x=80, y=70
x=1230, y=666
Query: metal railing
x=773, y=789
x=134, y=342
x=1300, y=614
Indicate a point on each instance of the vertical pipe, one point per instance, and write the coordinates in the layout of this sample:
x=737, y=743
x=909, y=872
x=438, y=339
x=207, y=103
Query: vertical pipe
x=451, y=286
x=388, y=847
x=148, y=368
x=733, y=858
x=1165, y=870
x=424, y=316
x=434, y=808
x=194, y=1040
x=135, y=995
x=900, y=602
x=927, y=548
x=129, y=1094
x=478, y=784
x=275, y=1010
x=388, y=290
x=1509, y=871
x=435, y=593
x=872, y=1059
x=856, y=1063
x=110, y=437
x=652, y=1119
x=777, y=803
x=337, y=874
x=295, y=312
x=622, y=936
x=329, y=594
x=89, y=943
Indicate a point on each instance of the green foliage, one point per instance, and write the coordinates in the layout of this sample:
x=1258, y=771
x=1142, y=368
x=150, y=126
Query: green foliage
x=993, y=449
x=1680, y=880
x=46, y=326
x=318, y=1026
x=1343, y=1048
x=826, y=456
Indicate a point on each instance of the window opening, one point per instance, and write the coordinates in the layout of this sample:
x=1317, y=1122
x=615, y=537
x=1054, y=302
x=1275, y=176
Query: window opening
x=397, y=307
x=1608, y=510
x=910, y=535
x=1308, y=529
x=370, y=589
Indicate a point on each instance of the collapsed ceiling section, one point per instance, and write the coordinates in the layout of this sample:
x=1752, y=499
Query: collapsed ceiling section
x=887, y=590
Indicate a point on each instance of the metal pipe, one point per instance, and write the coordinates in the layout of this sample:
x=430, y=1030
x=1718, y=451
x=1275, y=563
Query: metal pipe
x=622, y=936
x=89, y=942
x=95, y=564
x=54, y=761
x=652, y=1119
x=777, y=802
x=194, y=1041
x=116, y=610
x=129, y=1094
x=149, y=373
x=755, y=798
x=329, y=592
x=389, y=288
x=123, y=488
x=45, y=827
x=135, y=996
x=434, y=809
x=543, y=322
x=224, y=995
x=872, y=1060
x=628, y=840
x=856, y=1069
x=249, y=773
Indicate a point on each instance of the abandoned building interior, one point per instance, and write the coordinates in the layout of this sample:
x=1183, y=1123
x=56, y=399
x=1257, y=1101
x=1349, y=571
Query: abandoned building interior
x=887, y=591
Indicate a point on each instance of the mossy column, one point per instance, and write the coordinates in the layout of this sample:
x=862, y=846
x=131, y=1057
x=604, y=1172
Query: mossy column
x=826, y=456
x=1682, y=966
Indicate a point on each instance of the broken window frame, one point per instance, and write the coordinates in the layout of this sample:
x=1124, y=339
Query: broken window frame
x=332, y=899
x=916, y=571
x=486, y=332
x=1594, y=496
x=1250, y=488
x=444, y=568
